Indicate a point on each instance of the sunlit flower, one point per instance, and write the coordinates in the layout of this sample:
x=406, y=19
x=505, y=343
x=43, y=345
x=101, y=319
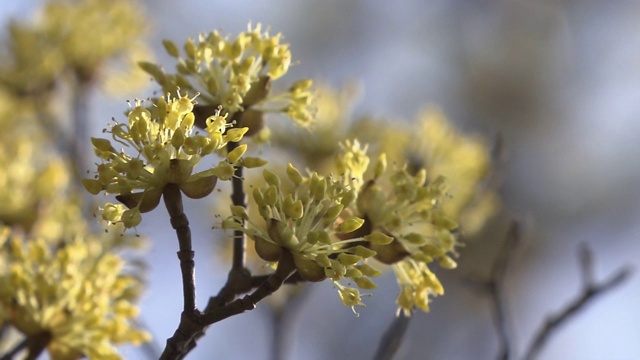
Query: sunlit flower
x=307, y=222
x=236, y=73
x=166, y=150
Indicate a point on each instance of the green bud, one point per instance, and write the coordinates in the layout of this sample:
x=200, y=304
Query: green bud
x=365, y=283
x=379, y=238
x=271, y=178
x=171, y=48
x=236, y=153
x=348, y=259
x=294, y=175
x=253, y=162
x=368, y=270
x=349, y=225
x=363, y=252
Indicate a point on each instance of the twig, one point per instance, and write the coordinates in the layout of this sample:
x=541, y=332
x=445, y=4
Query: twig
x=590, y=290
x=238, y=199
x=194, y=323
x=80, y=112
x=189, y=323
x=35, y=345
x=495, y=286
x=179, y=221
x=16, y=349
x=392, y=338
x=285, y=268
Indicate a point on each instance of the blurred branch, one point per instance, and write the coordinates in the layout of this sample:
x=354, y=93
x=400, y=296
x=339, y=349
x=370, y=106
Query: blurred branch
x=495, y=288
x=16, y=349
x=590, y=290
x=80, y=117
x=392, y=338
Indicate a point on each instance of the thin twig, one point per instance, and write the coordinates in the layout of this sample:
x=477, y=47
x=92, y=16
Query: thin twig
x=173, y=202
x=80, y=114
x=16, y=349
x=392, y=338
x=35, y=345
x=495, y=287
x=285, y=268
x=590, y=290
x=194, y=323
x=238, y=199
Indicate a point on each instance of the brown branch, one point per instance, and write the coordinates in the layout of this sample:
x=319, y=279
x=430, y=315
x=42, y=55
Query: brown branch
x=285, y=268
x=590, y=290
x=238, y=198
x=35, y=345
x=392, y=338
x=194, y=323
x=494, y=288
x=173, y=202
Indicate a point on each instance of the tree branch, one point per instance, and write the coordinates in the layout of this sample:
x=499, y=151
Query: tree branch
x=392, y=338
x=590, y=290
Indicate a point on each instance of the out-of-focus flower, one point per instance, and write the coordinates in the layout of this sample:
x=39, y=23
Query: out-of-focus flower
x=166, y=151
x=89, y=32
x=435, y=145
x=317, y=148
x=28, y=177
x=236, y=74
x=76, y=296
x=80, y=36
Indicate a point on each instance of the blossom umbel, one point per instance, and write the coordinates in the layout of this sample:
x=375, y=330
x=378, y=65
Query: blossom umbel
x=405, y=223
x=308, y=223
x=236, y=74
x=167, y=150
x=76, y=293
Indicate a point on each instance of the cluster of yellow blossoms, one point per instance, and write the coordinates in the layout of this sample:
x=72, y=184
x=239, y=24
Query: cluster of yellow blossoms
x=332, y=226
x=75, y=295
x=236, y=74
x=80, y=36
x=454, y=166
x=167, y=151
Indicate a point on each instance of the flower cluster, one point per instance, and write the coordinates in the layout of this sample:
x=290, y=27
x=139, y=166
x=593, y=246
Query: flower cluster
x=406, y=210
x=80, y=36
x=167, y=150
x=435, y=145
x=310, y=223
x=75, y=296
x=236, y=73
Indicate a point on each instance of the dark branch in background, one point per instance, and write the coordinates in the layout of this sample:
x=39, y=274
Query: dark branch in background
x=494, y=288
x=495, y=285
x=80, y=118
x=392, y=338
x=590, y=290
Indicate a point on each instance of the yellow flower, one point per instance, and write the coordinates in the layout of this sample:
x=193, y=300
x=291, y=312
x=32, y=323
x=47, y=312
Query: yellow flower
x=236, y=73
x=435, y=145
x=89, y=32
x=167, y=150
x=309, y=222
x=77, y=294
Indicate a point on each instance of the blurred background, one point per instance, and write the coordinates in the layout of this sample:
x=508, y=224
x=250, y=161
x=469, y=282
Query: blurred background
x=558, y=81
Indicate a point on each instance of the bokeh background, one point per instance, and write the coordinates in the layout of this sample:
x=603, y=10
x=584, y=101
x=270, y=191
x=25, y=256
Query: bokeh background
x=558, y=81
